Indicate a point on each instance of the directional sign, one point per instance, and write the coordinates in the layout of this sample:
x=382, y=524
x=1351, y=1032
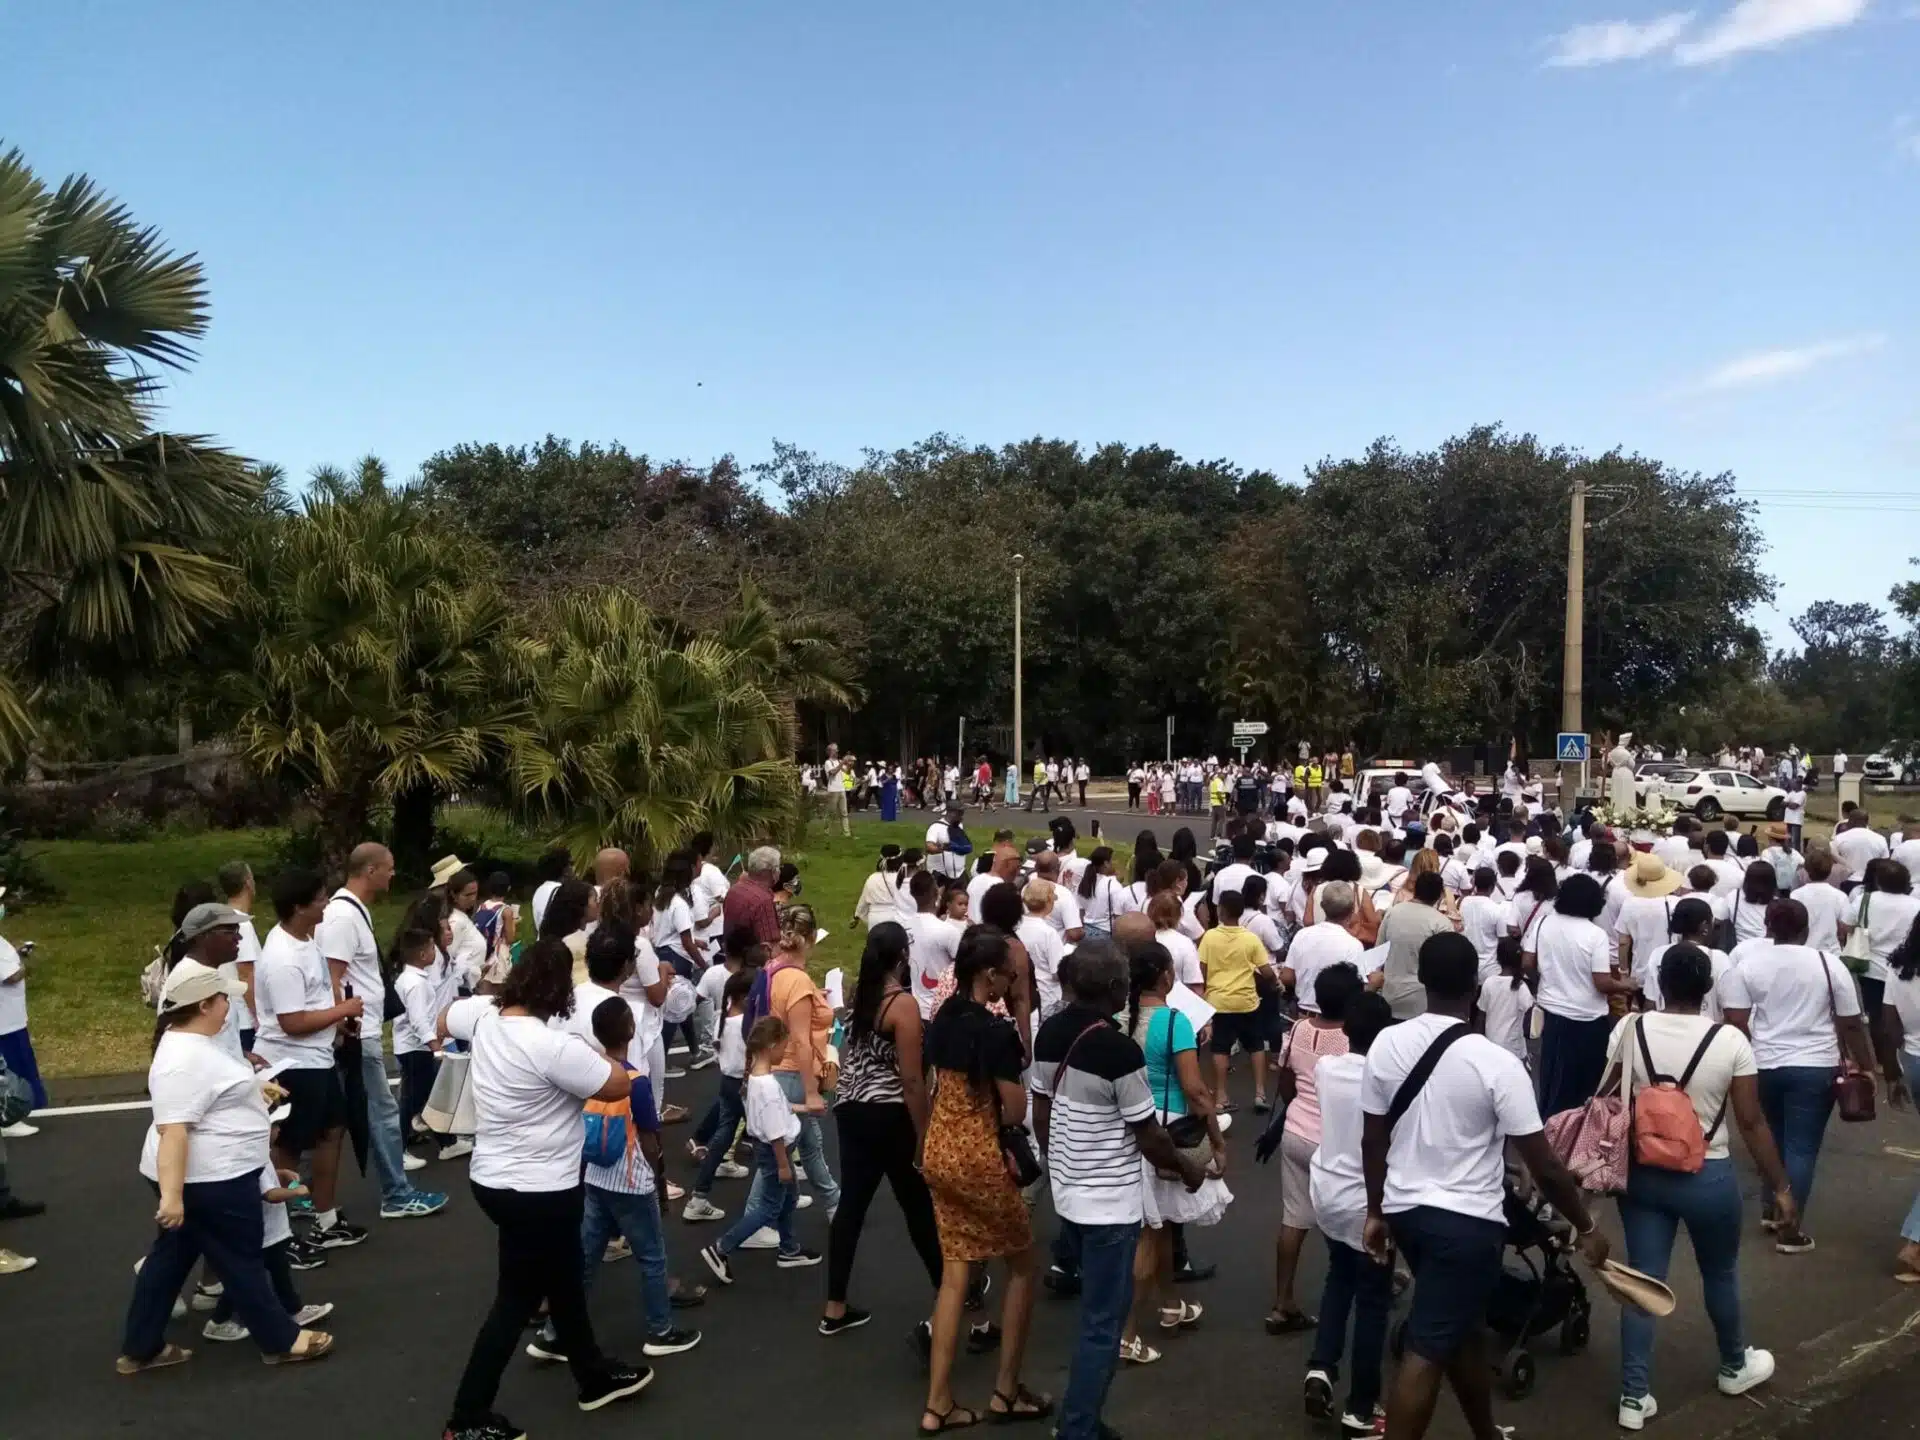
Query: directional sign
x=1570, y=748
x=1249, y=727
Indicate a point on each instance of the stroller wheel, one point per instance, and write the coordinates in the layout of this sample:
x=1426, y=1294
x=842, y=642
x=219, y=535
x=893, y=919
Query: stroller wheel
x=1520, y=1376
x=1575, y=1331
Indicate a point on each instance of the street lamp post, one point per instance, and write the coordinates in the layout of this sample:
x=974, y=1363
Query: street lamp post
x=1019, y=750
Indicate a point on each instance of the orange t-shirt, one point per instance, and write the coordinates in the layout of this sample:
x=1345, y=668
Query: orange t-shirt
x=786, y=988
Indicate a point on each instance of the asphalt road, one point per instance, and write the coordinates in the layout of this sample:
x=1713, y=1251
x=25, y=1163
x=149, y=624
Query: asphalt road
x=410, y=1299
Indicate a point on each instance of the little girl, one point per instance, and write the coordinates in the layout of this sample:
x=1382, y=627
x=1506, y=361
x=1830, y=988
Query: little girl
x=729, y=1106
x=1506, y=998
x=774, y=1126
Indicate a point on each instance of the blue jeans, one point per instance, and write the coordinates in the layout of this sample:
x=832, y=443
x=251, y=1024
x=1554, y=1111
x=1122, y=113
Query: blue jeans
x=383, y=1126
x=1106, y=1294
x=638, y=1218
x=1797, y=1099
x=808, y=1152
x=1652, y=1211
x=717, y=1130
x=771, y=1201
x=1356, y=1283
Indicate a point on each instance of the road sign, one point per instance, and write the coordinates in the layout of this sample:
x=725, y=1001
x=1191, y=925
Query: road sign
x=1249, y=727
x=1570, y=748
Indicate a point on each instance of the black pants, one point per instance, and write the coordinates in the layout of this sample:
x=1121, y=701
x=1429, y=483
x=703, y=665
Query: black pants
x=223, y=1223
x=539, y=1249
x=417, y=1069
x=1083, y=793
x=1133, y=796
x=877, y=1143
x=279, y=1273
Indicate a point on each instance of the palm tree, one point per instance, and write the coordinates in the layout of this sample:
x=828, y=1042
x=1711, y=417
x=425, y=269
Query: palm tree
x=110, y=534
x=794, y=657
x=640, y=737
x=381, y=666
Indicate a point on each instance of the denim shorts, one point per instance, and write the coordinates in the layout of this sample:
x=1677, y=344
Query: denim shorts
x=1456, y=1264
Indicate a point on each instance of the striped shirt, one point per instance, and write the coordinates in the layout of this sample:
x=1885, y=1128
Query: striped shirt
x=1093, y=1160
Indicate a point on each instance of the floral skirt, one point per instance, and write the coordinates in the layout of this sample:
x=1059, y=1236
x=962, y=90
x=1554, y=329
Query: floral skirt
x=979, y=1213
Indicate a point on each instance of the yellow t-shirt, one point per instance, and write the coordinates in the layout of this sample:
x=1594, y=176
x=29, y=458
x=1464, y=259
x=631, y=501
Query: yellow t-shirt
x=1229, y=955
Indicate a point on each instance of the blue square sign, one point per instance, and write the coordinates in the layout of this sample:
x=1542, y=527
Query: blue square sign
x=1569, y=747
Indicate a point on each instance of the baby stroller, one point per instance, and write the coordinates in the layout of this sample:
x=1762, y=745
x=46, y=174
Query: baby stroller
x=1539, y=1290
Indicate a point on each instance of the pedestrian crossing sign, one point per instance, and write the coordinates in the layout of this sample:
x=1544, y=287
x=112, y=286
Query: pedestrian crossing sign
x=1571, y=748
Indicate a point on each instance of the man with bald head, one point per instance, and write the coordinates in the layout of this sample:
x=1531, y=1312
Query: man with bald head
x=352, y=952
x=1004, y=870
x=609, y=865
x=1065, y=916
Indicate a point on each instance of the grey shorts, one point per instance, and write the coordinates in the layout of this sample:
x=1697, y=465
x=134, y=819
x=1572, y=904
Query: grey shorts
x=1296, y=1182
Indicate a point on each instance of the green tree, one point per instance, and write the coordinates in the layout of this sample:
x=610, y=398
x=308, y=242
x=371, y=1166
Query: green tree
x=111, y=535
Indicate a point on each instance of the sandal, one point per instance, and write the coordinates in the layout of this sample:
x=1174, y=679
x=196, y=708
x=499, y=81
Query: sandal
x=945, y=1421
x=1289, y=1322
x=1184, y=1316
x=673, y=1114
x=1138, y=1352
x=1023, y=1407
x=1907, y=1277
x=168, y=1354
x=308, y=1345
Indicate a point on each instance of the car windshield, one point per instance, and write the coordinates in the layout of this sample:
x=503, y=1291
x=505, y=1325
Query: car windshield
x=1683, y=776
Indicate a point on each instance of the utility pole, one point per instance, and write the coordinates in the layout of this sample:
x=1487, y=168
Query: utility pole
x=1573, y=656
x=1019, y=748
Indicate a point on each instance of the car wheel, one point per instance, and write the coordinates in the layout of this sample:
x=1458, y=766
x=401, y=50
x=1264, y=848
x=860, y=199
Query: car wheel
x=1708, y=809
x=1777, y=808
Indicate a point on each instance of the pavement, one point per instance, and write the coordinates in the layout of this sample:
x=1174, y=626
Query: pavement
x=411, y=1298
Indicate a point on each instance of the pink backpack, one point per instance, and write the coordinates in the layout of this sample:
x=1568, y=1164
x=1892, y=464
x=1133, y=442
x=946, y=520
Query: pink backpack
x=1591, y=1141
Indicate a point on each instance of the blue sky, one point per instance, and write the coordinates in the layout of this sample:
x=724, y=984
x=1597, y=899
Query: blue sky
x=1261, y=231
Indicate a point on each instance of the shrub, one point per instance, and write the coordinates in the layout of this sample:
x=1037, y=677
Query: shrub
x=120, y=826
x=20, y=871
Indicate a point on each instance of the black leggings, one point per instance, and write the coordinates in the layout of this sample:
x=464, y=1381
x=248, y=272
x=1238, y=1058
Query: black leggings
x=539, y=1246
x=877, y=1143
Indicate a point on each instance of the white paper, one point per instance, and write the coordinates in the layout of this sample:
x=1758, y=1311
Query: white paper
x=820, y=935
x=1372, y=960
x=836, y=989
x=1191, y=1005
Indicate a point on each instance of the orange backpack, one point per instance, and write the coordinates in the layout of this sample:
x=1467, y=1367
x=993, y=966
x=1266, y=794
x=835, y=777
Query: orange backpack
x=1666, y=1128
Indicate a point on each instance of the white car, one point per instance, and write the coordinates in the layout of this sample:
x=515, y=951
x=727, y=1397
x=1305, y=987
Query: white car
x=1713, y=793
x=1888, y=767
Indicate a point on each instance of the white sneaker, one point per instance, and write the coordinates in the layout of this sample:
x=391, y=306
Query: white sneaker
x=805, y=1202
x=207, y=1297
x=1634, y=1414
x=12, y=1263
x=460, y=1147
x=312, y=1314
x=765, y=1238
x=224, y=1330
x=700, y=1208
x=728, y=1170
x=1757, y=1370
x=19, y=1131
x=412, y=1161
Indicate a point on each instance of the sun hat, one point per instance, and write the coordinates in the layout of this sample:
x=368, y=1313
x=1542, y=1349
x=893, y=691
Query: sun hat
x=1650, y=879
x=190, y=982
x=445, y=868
x=1637, y=1288
x=203, y=918
x=1777, y=832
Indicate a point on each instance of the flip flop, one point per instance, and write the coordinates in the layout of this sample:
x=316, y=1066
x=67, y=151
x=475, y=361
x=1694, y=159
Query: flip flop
x=1907, y=1277
x=168, y=1354
x=310, y=1345
x=673, y=1115
x=947, y=1422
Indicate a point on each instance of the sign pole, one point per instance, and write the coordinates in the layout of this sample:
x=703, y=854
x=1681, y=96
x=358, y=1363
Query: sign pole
x=1573, y=645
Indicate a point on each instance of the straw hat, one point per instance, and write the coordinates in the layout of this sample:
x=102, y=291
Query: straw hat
x=445, y=868
x=1636, y=1288
x=1650, y=878
x=1776, y=833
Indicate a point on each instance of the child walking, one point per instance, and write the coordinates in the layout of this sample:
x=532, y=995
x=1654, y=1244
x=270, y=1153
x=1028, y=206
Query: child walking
x=276, y=1188
x=415, y=1040
x=773, y=1123
x=729, y=1106
x=626, y=1170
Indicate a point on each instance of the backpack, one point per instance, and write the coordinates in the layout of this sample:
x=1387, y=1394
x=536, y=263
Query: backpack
x=611, y=1134
x=1666, y=1129
x=154, y=976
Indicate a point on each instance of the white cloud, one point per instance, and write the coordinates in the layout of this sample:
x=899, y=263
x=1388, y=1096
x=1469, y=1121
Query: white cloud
x=1764, y=24
x=1614, y=40
x=1765, y=367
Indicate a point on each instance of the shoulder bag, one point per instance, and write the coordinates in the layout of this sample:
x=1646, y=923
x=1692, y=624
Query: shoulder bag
x=1593, y=1139
x=1853, y=1089
x=1016, y=1145
x=1188, y=1132
x=1857, y=953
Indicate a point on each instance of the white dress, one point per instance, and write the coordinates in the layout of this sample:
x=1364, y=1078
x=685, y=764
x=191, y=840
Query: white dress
x=1620, y=785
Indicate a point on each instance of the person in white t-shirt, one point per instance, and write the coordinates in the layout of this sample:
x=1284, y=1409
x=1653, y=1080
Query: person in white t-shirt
x=942, y=858
x=1483, y=919
x=1800, y=1009
x=1164, y=911
x=1713, y=1065
x=1506, y=999
x=935, y=937
x=235, y=882
x=1885, y=907
x=1325, y=942
x=1898, y=1039
x=555, y=867
x=1644, y=920
x=1856, y=844
x=1795, y=812
x=416, y=1044
x=1045, y=949
x=1065, y=915
x=1434, y=1163
x=1693, y=924
x=1827, y=905
x=529, y=1079
x=1577, y=982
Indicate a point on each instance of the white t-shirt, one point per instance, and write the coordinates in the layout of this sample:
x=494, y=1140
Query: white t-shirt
x=935, y=943
x=542, y=893
x=1907, y=852
x=292, y=976
x=1524, y=914
x=1904, y=996
x=346, y=933
x=1718, y=959
x=671, y=923
x=710, y=887
x=878, y=902
x=1787, y=989
x=1506, y=1008
x=1044, y=951
x=978, y=886
x=1671, y=1041
x=770, y=1114
x=1227, y=878
x=1676, y=853
x=1826, y=905
x=587, y=997
x=1796, y=808
x=1265, y=931
x=1483, y=920
x=196, y=1081
x=1645, y=922
x=1448, y=1150
x=733, y=1046
x=712, y=985
x=1398, y=799
x=414, y=1026
x=529, y=1082
x=1727, y=874
x=943, y=862
x=1072, y=867
x=1338, y=1185
x=1065, y=914
x=1857, y=847
x=1889, y=919
x=13, y=998
x=249, y=955
x=648, y=1022
x=1571, y=951
x=1108, y=900
x=1321, y=944
x=1186, y=957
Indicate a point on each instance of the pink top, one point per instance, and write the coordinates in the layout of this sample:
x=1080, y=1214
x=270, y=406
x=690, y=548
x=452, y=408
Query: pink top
x=1302, y=1051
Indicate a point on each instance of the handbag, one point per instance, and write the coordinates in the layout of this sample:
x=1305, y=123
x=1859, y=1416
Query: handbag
x=1853, y=1090
x=1593, y=1140
x=1188, y=1132
x=449, y=1107
x=1857, y=953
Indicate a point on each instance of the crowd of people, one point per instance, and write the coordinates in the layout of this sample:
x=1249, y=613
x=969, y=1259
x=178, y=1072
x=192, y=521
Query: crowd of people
x=1418, y=985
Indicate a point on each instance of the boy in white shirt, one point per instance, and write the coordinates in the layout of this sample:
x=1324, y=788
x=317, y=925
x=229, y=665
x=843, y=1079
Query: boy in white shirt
x=415, y=1038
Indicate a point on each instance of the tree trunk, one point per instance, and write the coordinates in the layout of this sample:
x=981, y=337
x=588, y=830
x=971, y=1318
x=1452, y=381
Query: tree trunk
x=341, y=818
x=413, y=832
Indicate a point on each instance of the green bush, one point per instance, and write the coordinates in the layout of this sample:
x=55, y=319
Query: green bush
x=20, y=872
x=119, y=826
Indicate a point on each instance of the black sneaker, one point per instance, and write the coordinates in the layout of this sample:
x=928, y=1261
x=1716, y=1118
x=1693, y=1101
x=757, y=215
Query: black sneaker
x=797, y=1260
x=978, y=1289
x=1319, y=1394
x=18, y=1209
x=920, y=1340
x=717, y=1263
x=301, y=1255
x=852, y=1320
x=983, y=1339
x=616, y=1382
x=1061, y=1282
x=545, y=1345
x=673, y=1342
x=494, y=1427
x=339, y=1235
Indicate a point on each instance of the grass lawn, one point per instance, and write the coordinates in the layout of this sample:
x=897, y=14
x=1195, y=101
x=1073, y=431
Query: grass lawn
x=83, y=983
